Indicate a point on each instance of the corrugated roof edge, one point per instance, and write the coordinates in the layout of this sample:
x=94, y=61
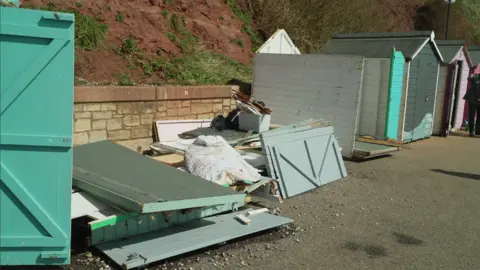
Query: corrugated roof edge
x=427, y=34
x=442, y=43
x=473, y=48
x=474, y=52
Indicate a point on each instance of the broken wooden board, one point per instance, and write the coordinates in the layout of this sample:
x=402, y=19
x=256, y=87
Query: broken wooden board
x=368, y=139
x=364, y=150
x=174, y=160
x=180, y=239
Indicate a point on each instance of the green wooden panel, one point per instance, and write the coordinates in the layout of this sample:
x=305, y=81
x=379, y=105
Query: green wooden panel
x=129, y=225
x=141, y=184
x=36, y=111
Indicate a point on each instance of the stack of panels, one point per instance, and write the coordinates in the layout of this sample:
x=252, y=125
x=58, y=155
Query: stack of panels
x=142, y=185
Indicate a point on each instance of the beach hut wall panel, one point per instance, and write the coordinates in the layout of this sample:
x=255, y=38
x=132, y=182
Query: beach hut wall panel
x=382, y=86
x=374, y=99
x=422, y=59
x=299, y=87
x=381, y=97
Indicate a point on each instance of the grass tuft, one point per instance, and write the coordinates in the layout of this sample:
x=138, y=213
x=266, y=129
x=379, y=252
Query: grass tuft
x=247, y=21
x=125, y=80
x=89, y=32
x=201, y=67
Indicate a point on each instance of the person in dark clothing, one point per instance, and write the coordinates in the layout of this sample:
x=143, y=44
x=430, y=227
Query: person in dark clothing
x=473, y=98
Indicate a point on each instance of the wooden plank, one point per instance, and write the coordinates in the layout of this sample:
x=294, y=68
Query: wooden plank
x=393, y=143
x=174, y=160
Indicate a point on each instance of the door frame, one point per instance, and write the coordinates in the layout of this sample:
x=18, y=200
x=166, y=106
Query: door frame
x=455, y=94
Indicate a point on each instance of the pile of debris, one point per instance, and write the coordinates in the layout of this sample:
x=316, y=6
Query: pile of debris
x=199, y=184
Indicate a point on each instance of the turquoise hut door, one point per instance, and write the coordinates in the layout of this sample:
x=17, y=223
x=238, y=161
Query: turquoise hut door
x=394, y=95
x=36, y=112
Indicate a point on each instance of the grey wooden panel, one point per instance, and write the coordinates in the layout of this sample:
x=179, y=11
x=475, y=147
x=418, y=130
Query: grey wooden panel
x=297, y=87
x=303, y=160
x=179, y=239
x=426, y=90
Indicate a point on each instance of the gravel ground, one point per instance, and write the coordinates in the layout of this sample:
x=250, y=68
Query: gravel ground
x=415, y=210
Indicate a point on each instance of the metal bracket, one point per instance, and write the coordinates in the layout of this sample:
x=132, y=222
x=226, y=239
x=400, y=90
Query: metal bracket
x=136, y=256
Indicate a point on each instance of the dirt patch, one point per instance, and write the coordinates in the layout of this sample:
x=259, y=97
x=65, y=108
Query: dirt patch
x=148, y=23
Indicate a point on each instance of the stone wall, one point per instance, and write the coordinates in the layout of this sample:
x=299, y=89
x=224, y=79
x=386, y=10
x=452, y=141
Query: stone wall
x=103, y=113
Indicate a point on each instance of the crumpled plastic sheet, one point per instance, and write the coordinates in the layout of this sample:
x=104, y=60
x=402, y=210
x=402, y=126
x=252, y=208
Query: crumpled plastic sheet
x=213, y=159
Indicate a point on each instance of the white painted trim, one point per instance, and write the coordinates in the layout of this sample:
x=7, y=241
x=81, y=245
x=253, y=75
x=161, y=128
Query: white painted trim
x=279, y=33
x=357, y=120
x=401, y=128
x=437, y=49
x=435, y=97
x=423, y=45
x=420, y=48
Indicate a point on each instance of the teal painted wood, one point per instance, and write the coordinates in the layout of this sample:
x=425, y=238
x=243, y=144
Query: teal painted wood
x=422, y=87
x=36, y=111
x=303, y=160
x=151, y=222
x=176, y=240
x=395, y=95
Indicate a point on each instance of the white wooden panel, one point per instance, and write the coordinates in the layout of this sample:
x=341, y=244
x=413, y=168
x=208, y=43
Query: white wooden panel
x=299, y=87
x=370, y=98
x=403, y=104
x=86, y=205
x=383, y=99
x=279, y=43
x=439, y=100
x=374, y=99
x=168, y=130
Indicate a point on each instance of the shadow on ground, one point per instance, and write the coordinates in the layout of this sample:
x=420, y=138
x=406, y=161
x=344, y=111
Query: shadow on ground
x=458, y=174
x=407, y=239
x=371, y=250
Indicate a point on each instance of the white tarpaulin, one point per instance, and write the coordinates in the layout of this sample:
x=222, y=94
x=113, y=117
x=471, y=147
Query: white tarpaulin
x=213, y=159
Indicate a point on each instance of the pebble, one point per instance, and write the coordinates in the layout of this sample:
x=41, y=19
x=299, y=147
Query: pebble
x=89, y=255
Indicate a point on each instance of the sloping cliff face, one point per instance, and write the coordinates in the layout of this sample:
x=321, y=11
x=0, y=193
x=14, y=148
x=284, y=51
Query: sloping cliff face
x=211, y=41
x=159, y=29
